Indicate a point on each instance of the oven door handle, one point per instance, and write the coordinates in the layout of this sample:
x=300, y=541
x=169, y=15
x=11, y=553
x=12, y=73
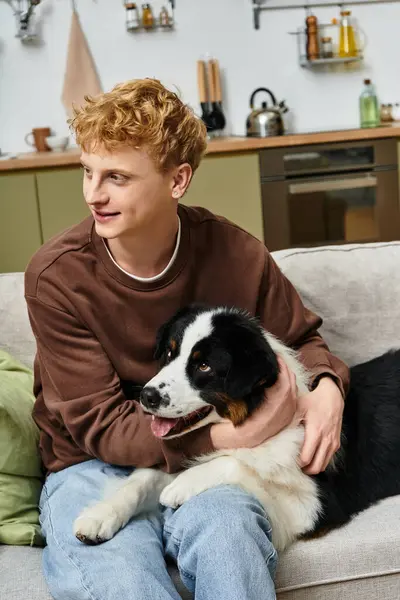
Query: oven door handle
x=331, y=185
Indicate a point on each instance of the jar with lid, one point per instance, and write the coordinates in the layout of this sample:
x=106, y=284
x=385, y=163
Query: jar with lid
x=164, y=19
x=147, y=17
x=326, y=47
x=386, y=113
x=132, y=16
x=396, y=112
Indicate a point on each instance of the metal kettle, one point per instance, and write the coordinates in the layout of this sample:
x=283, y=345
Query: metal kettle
x=265, y=121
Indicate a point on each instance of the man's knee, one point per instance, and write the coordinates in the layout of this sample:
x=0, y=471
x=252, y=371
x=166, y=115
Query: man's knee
x=225, y=510
x=222, y=522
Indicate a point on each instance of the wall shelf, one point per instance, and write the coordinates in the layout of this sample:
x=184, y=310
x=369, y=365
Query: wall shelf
x=324, y=30
x=259, y=6
x=133, y=23
x=305, y=62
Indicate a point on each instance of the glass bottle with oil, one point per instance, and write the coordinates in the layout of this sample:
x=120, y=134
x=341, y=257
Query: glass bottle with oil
x=347, y=37
x=147, y=17
x=369, y=106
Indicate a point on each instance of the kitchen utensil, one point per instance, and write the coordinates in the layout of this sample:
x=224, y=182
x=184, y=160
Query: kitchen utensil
x=312, y=49
x=57, y=143
x=39, y=135
x=217, y=111
x=265, y=121
x=213, y=114
x=203, y=96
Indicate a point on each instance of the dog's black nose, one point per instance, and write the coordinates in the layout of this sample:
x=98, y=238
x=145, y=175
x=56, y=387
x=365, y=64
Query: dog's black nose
x=150, y=397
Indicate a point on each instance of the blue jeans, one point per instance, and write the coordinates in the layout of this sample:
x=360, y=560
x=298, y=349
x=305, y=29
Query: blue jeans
x=220, y=540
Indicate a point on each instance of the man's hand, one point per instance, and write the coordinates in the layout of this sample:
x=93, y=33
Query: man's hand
x=274, y=414
x=321, y=412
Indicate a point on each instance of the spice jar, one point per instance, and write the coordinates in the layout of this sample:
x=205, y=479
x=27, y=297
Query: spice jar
x=396, y=112
x=386, y=113
x=164, y=18
x=132, y=16
x=147, y=17
x=326, y=47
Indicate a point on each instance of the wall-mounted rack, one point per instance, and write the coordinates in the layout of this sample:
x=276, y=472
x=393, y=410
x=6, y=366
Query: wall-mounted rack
x=136, y=22
x=259, y=6
x=324, y=30
x=24, y=13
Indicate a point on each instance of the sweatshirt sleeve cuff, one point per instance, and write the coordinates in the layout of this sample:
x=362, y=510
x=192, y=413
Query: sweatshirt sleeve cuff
x=180, y=450
x=325, y=371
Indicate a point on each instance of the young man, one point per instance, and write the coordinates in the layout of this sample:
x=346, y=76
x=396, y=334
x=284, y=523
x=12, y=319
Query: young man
x=96, y=296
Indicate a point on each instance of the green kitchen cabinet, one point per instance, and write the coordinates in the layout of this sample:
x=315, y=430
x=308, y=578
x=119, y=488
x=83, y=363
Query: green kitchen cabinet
x=20, y=231
x=61, y=200
x=36, y=205
x=229, y=185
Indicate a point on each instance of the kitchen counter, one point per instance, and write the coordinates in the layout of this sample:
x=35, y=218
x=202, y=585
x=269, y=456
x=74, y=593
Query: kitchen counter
x=223, y=145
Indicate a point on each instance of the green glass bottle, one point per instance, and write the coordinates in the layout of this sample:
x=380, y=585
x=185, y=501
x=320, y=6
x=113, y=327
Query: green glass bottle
x=369, y=106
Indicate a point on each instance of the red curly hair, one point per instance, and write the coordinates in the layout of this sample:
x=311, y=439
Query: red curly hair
x=142, y=113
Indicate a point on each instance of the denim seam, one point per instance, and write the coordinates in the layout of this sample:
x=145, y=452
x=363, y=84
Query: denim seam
x=75, y=565
x=271, y=557
x=185, y=573
x=170, y=533
x=178, y=543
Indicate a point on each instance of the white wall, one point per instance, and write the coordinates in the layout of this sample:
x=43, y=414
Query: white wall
x=31, y=78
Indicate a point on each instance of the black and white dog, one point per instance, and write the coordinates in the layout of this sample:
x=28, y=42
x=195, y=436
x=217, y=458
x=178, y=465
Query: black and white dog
x=216, y=364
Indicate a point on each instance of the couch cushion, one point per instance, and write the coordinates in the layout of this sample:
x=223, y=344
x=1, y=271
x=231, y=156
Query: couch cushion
x=30, y=583
x=21, y=574
x=356, y=561
x=355, y=288
x=20, y=465
x=15, y=331
x=360, y=561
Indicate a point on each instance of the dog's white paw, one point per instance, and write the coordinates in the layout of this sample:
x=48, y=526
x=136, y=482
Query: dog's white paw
x=219, y=471
x=97, y=524
x=184, y=487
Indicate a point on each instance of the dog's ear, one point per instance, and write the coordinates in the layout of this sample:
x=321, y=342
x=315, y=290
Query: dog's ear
x=163, y=335
x=254, y=368
x=177, y=322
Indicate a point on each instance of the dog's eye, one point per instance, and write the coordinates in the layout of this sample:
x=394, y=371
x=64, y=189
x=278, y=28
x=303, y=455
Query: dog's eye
x=169, y=354
x=204, y=368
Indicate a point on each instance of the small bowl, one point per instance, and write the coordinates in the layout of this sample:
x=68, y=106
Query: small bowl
x=57, y=143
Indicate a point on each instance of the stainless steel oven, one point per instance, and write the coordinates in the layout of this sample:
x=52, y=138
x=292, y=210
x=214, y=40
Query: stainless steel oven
x=330, y=193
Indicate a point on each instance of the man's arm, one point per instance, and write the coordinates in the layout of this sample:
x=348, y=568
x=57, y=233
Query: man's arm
x=283, y=313
x=80, y=387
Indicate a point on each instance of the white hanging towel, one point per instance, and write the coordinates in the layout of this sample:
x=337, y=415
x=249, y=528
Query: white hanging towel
x=81, y=76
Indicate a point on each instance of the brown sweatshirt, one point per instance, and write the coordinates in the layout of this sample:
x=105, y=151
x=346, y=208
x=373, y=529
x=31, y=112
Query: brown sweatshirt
x=95, y=328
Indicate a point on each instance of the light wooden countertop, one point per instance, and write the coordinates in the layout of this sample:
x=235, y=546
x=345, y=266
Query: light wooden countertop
x=223, y=145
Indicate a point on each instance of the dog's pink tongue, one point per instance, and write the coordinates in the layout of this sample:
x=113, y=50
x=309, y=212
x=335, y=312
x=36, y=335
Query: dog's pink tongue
x=161, y=427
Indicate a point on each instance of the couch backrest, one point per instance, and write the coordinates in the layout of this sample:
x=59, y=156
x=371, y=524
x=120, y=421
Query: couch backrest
x=16, y=336
x=354, y=288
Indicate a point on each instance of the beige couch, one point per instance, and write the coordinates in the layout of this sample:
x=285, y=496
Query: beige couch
x=357, y=291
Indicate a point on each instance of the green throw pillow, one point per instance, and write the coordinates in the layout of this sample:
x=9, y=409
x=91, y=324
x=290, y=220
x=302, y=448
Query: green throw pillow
x=20, y=465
